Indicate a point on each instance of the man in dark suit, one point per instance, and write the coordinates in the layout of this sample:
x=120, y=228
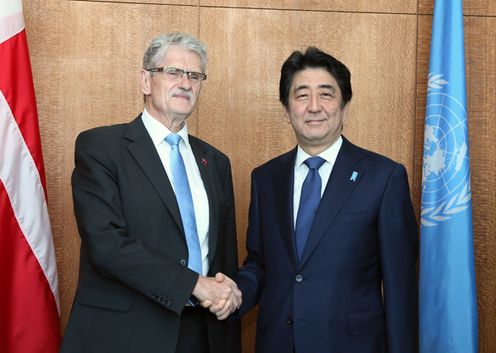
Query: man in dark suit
x=155, y=212
x=332, y=235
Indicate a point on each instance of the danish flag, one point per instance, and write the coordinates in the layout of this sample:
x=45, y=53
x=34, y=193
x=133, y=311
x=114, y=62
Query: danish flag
x=29, y=304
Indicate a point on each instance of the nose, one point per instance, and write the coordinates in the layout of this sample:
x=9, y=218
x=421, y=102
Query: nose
x=314, y=104
x=184, y=82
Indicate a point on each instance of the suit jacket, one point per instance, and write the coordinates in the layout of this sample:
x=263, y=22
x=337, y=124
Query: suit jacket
x=133, y=278
x=354, y=290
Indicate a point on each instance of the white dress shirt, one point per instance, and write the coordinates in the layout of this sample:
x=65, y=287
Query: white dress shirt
x=158, y=132
x=301, y=171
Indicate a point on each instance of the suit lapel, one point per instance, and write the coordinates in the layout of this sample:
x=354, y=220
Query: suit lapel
x=283, y=181
x=208, y=178
x=141, y=147
x=343, y=179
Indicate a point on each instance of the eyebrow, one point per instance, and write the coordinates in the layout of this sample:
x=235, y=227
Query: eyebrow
x=326, y=86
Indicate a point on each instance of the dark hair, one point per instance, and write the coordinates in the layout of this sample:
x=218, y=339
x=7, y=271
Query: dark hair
x=314, y=58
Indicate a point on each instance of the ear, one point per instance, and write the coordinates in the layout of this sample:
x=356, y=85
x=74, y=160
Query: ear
x=286, y=114
x=346, y=109
x=144, y=82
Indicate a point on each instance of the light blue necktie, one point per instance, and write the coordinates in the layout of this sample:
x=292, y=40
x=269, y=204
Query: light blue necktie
x=309, y=202
x=185, y=202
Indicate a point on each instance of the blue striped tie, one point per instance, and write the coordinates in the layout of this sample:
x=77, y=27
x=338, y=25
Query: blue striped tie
x=309, y=202
x=185, y=202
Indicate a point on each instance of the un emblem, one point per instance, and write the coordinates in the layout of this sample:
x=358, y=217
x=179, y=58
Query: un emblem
x=446, y=170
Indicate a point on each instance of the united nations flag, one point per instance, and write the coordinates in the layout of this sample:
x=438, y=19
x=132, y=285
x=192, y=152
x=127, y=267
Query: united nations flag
x=447, y=298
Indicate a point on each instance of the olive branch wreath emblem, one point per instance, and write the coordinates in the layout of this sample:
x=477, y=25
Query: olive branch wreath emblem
x=432, y=216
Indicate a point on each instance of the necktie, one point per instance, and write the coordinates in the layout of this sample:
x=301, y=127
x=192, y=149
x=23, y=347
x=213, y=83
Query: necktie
x=185, y=202
x=309, y=202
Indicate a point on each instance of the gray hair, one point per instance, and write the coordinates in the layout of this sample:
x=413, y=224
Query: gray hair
x=160, y=45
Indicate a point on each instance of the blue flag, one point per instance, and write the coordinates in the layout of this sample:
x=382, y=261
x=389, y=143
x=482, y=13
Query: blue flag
x=447, y=298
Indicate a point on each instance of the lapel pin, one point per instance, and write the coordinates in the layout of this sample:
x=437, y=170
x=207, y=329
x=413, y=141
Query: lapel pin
x=354, y=176
x=204, y=162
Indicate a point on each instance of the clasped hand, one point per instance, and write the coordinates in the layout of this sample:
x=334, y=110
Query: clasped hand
x=219, y=294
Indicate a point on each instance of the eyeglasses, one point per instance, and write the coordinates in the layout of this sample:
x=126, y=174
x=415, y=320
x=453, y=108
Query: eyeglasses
x=175, y=74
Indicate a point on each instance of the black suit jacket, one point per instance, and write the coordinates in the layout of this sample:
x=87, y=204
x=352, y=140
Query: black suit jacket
x=133, y=279
x=354, y=290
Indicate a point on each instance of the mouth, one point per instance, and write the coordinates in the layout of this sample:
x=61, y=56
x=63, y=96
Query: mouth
x=182, y=96
x=314, y=121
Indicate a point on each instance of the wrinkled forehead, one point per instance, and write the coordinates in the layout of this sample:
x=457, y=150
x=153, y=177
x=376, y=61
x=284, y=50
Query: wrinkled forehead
x=183, y=58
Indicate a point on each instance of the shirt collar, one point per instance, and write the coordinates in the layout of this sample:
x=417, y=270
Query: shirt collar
x=158, y=131
x=329, y=154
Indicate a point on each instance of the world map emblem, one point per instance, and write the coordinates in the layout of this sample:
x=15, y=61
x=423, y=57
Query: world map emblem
x=446, y=171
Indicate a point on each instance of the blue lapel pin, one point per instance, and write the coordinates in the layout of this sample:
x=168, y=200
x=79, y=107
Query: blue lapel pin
x=354, y=176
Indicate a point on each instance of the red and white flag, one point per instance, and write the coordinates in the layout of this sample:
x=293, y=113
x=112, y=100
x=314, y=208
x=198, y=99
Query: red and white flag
x=29, y=304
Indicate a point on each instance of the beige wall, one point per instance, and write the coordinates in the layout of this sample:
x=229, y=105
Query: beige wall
x=86, y=56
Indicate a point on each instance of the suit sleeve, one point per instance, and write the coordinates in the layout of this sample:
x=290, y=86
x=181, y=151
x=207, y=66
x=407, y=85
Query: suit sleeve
x=398, y=241
x=104, y=231
x=251, y=276
x=230, y=244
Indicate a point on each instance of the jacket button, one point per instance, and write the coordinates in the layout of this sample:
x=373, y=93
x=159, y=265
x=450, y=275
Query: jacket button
x=290, y=320
x=299, y=278
x=183, y=262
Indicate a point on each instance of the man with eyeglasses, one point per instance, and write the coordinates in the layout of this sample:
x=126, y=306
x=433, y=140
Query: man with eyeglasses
x=155, y=212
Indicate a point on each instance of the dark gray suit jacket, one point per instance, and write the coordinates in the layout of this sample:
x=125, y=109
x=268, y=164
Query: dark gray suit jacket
x=133, y=279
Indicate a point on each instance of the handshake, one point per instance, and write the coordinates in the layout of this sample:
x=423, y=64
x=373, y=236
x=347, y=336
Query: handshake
x=219, y=294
